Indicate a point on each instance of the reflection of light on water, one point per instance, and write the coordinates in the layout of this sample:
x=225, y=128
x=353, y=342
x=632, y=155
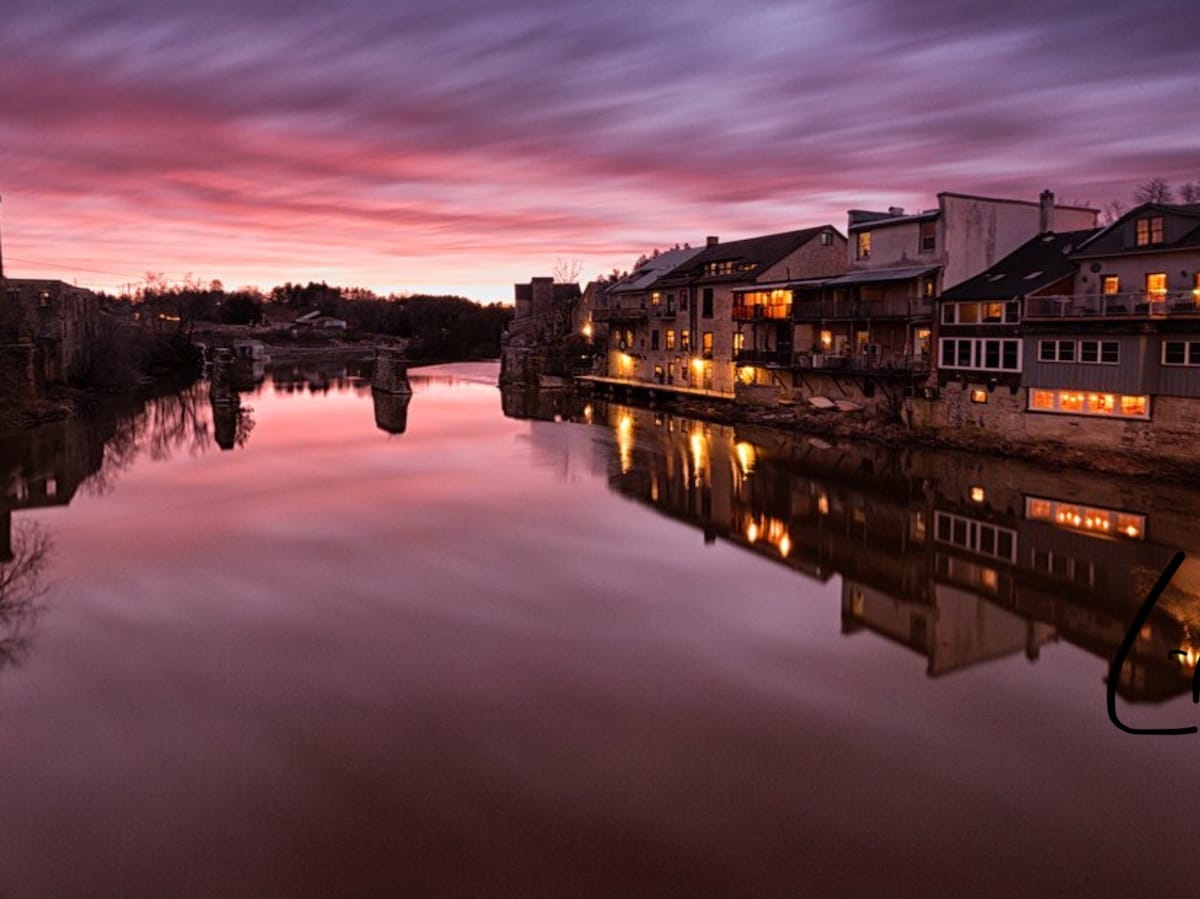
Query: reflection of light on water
x=699, y=446
x=823, y=504
x=785, y=546
x=746, y=456
x=1088, y=519
x=588, y=412
x=625, y=442
x=752, y=532
x=771, y=530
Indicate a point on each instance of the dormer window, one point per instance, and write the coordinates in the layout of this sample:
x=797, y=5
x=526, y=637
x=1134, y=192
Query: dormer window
x=864, y=245
x=826, y=238
x=1149, y=231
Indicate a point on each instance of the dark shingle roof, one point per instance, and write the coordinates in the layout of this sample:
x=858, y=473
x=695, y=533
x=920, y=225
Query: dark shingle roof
x=1042, y=261
x=1111, y=242
x=756, y=253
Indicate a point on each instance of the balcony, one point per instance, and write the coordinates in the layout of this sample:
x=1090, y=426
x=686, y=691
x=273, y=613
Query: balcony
x=662, y=310
x=619, y=314
x=781, y=358
x=862, y=363
x=1140, y=305
x=892, y=307
x=762, y=313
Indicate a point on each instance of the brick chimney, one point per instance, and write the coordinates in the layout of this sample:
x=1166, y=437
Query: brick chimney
x=1046, y=212
x=712, y=240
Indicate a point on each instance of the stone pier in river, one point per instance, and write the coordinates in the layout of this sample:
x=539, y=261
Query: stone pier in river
x=391, y=372
x=222, y=391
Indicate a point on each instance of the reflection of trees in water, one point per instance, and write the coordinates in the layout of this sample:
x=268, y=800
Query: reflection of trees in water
x=164, y=426
x=21, y=586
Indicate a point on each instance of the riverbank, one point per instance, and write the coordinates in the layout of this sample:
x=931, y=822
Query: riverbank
x=856, y=426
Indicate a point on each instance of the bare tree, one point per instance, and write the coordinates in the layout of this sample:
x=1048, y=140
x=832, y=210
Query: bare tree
x=567, y=271
x=1156, y=190
x=1112, y=211
x=1189, y=191
x=21, y=586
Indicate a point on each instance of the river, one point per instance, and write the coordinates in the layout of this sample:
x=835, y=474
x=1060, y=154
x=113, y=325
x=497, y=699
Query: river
x=335, y=644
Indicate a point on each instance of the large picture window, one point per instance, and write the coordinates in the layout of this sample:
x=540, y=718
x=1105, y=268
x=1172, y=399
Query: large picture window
x=981, y=353
x=1079, y=402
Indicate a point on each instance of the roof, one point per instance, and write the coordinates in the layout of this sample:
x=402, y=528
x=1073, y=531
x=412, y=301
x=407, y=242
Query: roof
x=756, y=254
x=1110, y=241
x=861, y=219
x=653, y=269
x=867, y=276
x=1036, y=264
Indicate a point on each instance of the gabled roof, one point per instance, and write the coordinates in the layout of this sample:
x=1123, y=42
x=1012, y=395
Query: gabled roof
x=754, y=254
x=653, y=269
x=1038, y=263
x=1110, y=242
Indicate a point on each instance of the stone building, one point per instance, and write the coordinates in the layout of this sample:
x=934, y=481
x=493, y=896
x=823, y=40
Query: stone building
x=57, y=319
x=537, y=340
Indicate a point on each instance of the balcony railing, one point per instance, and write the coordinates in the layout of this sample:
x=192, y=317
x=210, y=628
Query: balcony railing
x=762, y=313
x=1142, y=304
x=619, y=314
x=893, y=307
x=662, y=310
x=763, y=357
x=862, y=362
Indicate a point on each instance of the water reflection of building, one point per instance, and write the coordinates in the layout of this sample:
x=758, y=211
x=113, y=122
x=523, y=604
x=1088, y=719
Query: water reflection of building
x=44, y=466
x=961, y=558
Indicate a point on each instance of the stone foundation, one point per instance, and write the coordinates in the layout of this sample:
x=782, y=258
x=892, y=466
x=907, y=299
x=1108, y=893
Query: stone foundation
x=391, y=372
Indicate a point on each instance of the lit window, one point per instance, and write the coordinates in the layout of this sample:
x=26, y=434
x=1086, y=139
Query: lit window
x=1102, y=403
x=864, y=245
x=1070, y=402
x=1042, y=399
x=685, y=340
x=739, y=341
x=1134, y=406
x=1149, y=231
x=1156, y=286
x=826, y=340
x=1038, y=509
x=708, y=343
x=670, y=340
x=979, y=396
x=1110, y=284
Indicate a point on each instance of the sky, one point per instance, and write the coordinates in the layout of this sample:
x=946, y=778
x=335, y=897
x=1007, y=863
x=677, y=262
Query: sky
x=462, y=146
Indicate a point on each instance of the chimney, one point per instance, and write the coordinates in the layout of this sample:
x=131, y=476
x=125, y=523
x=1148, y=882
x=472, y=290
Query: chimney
x=895, y=210
x=712, y=240
x=1046, y=213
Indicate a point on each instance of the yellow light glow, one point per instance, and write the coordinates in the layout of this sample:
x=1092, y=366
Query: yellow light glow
x=826, y=340
x=746, y=456
x=698, y=364
x=751, y=532
x=823, y=504
x=588, y=412
x=625, y=443
x=977, y=494
x=785, y=545
x=587, y=330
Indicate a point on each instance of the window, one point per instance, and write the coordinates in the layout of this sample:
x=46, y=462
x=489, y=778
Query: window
x=1056, y=351
x=826, y=238
x=1181, y=352
x=739, y=341
x=1110, y=284
x=685, y=342
x=1156, y=286
x=1094, y=352
x=708, y=344
x=654, y=339
x=979, y=396
x=994, y=313
x=1074, y=402
x=683, y=300
x=1088, y=519
x=864, y=245
x=981, y=354
x=928, y=237
x=670, y=340
x=1149, y=231
x=706, y=310
x=930, y=287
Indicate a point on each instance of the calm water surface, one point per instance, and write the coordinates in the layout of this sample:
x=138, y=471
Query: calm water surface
x=431, y=649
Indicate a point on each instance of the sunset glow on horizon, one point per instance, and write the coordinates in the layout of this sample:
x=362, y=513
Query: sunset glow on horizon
x=459, y=148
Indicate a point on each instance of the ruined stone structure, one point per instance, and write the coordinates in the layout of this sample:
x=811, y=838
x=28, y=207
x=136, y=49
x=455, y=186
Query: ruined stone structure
x=391, y=372
x=538, y=340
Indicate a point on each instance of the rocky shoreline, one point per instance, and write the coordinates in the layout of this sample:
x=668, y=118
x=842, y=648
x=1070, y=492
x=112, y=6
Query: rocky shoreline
x=806, y=421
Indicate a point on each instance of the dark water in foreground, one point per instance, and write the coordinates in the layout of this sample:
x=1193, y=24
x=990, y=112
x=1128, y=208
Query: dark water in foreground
x=431, y=650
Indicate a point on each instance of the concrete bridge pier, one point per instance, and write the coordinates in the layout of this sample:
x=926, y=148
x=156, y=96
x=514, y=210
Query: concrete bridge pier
x=391, y=371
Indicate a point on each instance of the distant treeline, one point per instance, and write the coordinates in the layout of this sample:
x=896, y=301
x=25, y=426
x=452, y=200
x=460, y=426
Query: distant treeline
x=437, y=327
